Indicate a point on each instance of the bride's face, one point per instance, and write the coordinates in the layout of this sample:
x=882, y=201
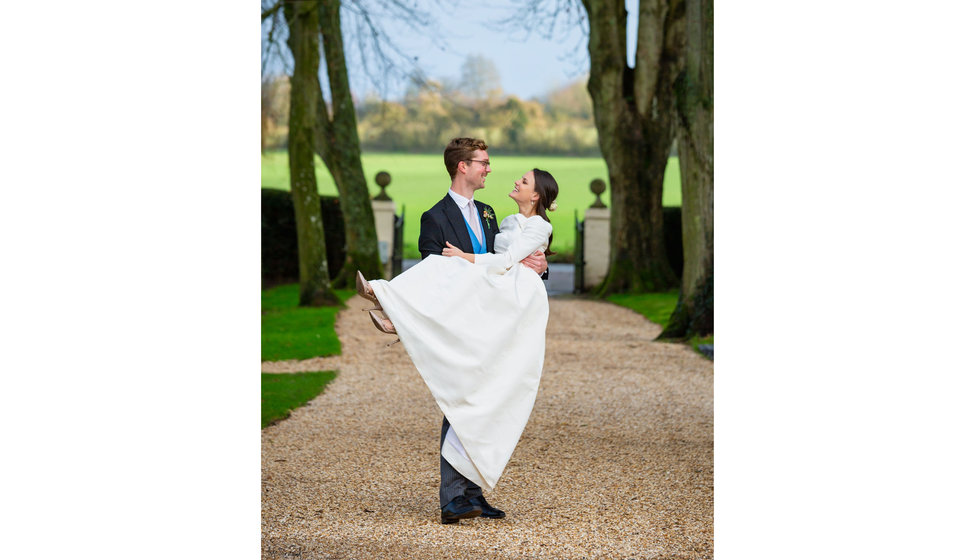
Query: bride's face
x=524, y=192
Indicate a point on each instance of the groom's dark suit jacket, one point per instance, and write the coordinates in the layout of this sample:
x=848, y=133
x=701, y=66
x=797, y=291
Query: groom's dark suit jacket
x=444, y=222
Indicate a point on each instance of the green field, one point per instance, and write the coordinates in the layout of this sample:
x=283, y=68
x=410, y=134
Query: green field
x=419, y=180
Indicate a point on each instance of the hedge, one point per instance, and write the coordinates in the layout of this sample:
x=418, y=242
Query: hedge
x=280, y=256
x=672, y=238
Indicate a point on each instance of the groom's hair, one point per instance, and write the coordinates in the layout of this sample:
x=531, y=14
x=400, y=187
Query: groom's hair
x=460, y=149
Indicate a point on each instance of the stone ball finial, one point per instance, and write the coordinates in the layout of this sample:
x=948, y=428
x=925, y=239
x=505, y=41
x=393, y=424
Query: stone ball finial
x=383, y=179
x=597, y=186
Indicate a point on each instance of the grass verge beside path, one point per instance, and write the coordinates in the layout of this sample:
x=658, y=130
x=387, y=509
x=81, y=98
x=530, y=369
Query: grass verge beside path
x=657, y=307
x=291, y=332
x=283, y=392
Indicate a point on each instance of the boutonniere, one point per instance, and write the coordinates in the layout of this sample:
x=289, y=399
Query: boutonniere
x=487, y=216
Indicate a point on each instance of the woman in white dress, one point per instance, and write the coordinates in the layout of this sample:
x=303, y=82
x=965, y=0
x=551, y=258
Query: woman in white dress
x=474, y=326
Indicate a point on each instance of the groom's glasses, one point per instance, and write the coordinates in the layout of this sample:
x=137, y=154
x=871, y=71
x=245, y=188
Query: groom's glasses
x=485, y=162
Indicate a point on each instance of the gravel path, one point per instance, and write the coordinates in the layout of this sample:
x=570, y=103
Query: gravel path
x=616, y=460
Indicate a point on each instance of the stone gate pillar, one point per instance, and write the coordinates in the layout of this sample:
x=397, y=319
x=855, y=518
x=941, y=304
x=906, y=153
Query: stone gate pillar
x=384, y=221
x=596, y=237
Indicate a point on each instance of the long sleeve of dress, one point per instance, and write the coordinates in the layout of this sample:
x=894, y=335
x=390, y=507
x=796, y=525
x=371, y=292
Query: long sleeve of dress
x=532, y=238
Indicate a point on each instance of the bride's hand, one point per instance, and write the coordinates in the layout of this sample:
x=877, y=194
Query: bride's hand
x=451, y=250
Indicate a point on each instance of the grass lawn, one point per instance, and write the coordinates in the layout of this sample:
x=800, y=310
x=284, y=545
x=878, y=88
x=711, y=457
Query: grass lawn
x=282, y=392
x=290, y=332
x=657, y=307
x=420, y=180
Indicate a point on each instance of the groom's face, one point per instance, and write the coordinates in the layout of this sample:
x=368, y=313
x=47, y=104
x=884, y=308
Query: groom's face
x=477, y=169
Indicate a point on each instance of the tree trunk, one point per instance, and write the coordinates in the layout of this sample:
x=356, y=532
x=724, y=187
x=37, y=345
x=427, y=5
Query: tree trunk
x=694, y=313
x=314, y=276
x=338, y=145
x=636, y=127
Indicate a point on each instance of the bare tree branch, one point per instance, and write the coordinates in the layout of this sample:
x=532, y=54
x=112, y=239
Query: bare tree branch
x=266, y=12
x=276, y=38
x=546, y=17
x=370, y=30
x=552, y=20
x=369, y=33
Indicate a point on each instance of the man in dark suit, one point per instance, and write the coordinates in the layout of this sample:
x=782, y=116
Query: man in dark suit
x=471, y=226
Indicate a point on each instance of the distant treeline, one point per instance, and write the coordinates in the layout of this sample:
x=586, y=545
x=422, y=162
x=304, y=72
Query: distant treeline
x=427, y=117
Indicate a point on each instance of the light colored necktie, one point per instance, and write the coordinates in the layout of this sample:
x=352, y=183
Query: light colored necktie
x=474, y=222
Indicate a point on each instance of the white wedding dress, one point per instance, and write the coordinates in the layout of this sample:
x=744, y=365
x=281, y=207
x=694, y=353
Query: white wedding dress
x=476, y=333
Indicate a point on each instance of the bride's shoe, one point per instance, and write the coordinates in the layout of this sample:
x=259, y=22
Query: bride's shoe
x=384, y=325
x=364, y=290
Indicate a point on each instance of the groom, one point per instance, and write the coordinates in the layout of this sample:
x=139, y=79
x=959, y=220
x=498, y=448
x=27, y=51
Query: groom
x=471, y=226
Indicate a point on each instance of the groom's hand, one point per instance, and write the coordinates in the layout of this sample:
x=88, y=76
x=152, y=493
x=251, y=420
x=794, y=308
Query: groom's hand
x=536, y=262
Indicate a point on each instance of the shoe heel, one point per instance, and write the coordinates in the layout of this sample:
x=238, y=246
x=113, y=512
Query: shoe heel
x=378, y=321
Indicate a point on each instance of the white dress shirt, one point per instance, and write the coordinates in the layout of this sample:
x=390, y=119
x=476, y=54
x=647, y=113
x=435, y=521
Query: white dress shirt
x=468, y=209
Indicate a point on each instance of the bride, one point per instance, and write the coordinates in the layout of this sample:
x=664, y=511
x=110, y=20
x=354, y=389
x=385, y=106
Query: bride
x=474, y=326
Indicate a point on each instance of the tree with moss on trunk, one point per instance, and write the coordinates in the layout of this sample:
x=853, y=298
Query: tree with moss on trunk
x=332, y=136
x=636, y=124
x=694, y=314
x=335, y=137
x=635, y=120
x=314, y=276
x=338, y=145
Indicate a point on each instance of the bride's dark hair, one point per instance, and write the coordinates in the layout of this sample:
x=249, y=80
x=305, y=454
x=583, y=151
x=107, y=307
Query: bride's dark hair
x=547, y=189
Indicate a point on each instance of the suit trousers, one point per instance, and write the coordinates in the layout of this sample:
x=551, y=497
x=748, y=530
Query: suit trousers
x=452, y=483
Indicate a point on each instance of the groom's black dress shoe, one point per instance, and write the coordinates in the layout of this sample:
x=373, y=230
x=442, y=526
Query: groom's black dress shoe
x=488, y=510
x=458, y=509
